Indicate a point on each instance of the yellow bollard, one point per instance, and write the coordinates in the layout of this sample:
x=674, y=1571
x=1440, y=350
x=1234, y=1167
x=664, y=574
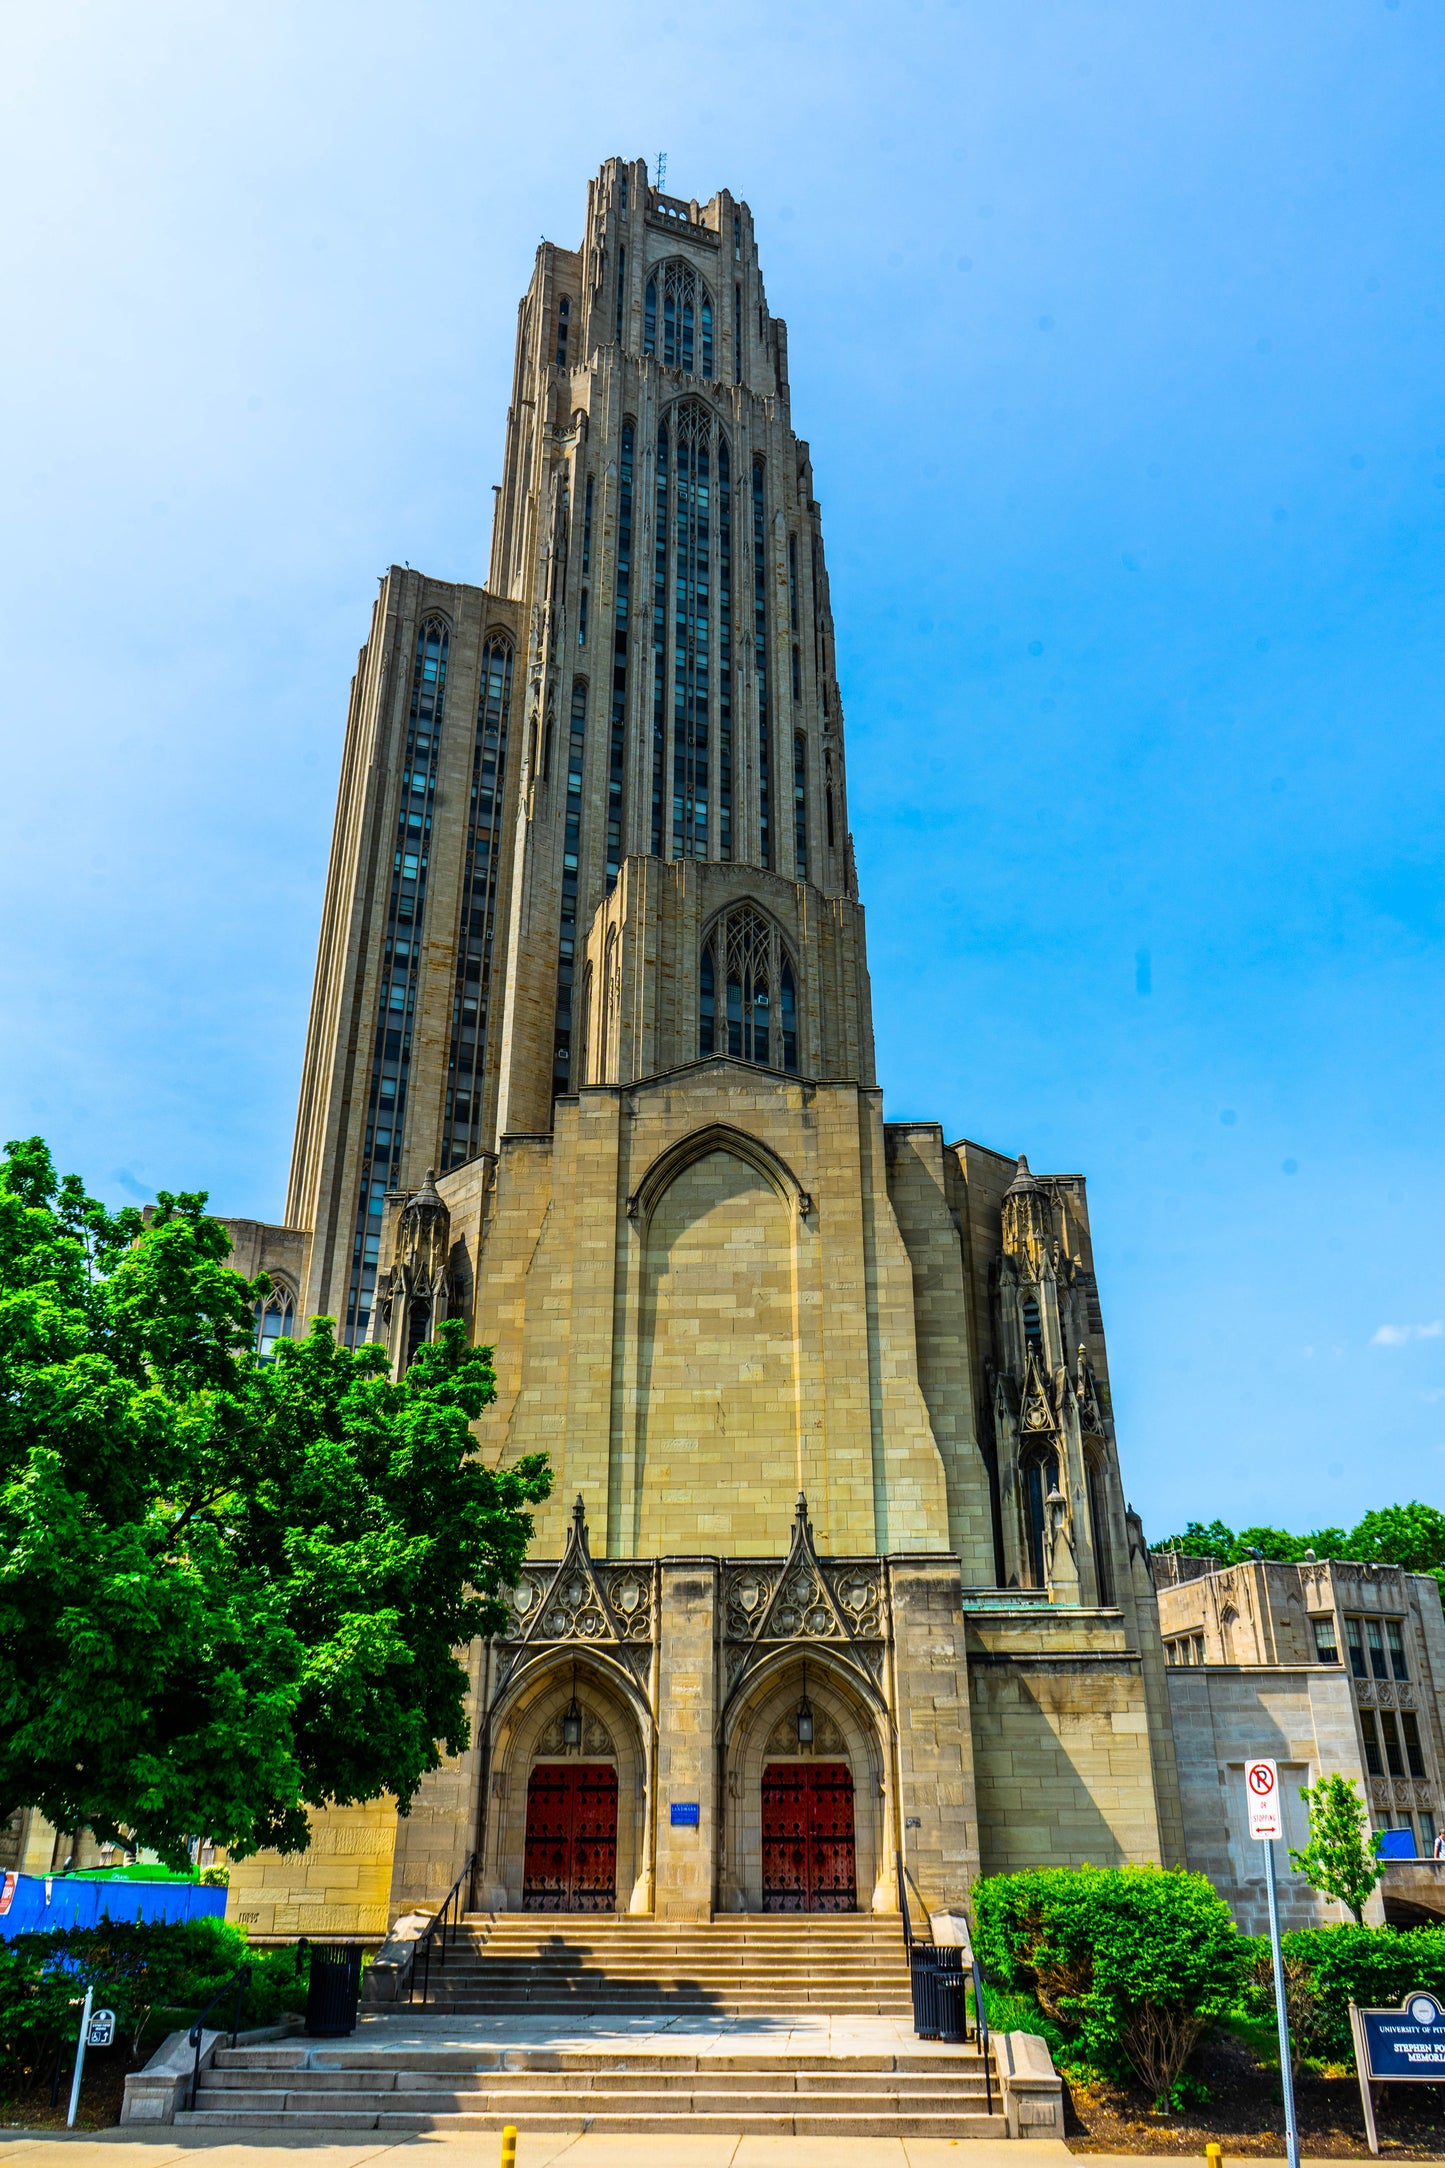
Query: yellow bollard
x=1214, y=2154
x=509, y=2146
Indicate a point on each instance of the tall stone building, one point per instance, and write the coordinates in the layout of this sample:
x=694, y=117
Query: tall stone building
x=838, y=1564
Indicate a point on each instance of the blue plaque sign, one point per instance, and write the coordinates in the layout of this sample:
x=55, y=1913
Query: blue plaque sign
x=685, y=1812
x=1408, y=2042
x=1392, y=2046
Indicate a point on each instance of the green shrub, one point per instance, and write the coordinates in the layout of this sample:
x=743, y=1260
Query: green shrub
x=1131, y=1962
x=146, y=1972
x=1335, y=1966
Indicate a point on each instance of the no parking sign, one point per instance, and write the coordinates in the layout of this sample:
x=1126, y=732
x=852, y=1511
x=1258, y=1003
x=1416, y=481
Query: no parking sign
x=1261, y=1791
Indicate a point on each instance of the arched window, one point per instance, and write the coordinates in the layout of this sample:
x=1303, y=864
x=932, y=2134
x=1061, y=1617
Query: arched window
x=747, y=992
x=275, y=1316
x=685, y=336
x=1040, y=1477
x=564, y=320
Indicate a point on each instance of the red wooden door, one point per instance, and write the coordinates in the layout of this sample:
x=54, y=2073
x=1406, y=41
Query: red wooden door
x=571, y=1858
x=808, y=1848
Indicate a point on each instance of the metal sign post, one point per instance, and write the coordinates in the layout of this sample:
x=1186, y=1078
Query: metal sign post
x=1266, y=1822
x=79, y=2059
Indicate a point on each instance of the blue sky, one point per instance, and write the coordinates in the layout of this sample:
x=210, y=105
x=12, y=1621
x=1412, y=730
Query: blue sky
x=1117, y=331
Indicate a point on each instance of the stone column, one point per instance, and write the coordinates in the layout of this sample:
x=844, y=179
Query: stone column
x=933, y=1732
x=687, y=1728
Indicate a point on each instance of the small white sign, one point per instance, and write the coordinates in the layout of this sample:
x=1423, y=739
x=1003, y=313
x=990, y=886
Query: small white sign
x=1261, y=1791
x=101, y=2031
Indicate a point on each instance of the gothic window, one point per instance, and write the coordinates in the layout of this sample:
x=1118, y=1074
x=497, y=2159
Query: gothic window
x=747, y=992
x=737, y=334
x=611, y=1008
x=587, y=527
x=275, y=1318
x=621, y=289
x=399, y=964
x=800, y=803
x=617, y=744
x=1033, y=1326
x=685, y=334
x=692, y=637
x=462, y=1123
x=562, y=1080
x=1099, y=1527
x=1040, y=1476
x=564, y=317
x=582, y=619
x=760, y=663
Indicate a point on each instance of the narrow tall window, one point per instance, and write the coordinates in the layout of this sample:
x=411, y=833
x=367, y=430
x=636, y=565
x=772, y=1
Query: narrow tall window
x=624, y=195
x=792, y=583
x=724, y=649
x=466, y=1064
x=1373, y=1764
x=1039, y=1478
x=1327, y=1648
x=760, y=661
x=618, y=737
x=587, y=527
x=1033, y=1326
x=1099, y=1528
x=621, y=292
x=564, y=319
x=582, y=619
x=659, y=638
x=737, y=334
x=1376, y=1641
x=686, y=332
x=649, y=318
x=275, y=1317
x=1410, y=1725
x=747, y=992
x=800, y=806
x=1355, y=1639
x=571, y=859
x=737, y=237
x=1396, y=1642
x=399, y=970
x=1390, y=1730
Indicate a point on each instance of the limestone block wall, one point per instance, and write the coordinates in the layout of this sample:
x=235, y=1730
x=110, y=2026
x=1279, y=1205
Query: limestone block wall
x=341, y=1885
x=1061, y=1741
x=938, y=1802
x=1223, y=1715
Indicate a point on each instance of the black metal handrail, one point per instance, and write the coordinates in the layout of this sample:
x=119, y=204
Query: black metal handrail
x=903, y=1904
x=240, y=1976
x=980, y=2026
x=439, y=1934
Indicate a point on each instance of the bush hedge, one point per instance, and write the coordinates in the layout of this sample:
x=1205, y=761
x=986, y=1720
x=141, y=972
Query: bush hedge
x=1328, y=1968
x=154, y=1975
x=1131, y=1962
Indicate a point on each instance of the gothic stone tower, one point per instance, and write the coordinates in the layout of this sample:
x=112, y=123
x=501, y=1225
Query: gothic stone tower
x=591, y=1064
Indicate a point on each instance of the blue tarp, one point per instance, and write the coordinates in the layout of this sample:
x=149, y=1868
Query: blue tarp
x=81, y=1904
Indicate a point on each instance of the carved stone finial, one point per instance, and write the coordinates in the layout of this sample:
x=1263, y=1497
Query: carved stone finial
x=579, y=1521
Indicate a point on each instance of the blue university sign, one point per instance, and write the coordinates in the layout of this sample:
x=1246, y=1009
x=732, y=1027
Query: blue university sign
x=1396, y=2045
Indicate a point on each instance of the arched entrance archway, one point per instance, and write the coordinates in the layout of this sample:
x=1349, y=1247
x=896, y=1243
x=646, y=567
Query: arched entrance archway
x=805, y=1824
x=567, y=1817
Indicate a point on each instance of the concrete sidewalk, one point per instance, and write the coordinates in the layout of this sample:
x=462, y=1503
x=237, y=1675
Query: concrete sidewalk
x=121, y=2149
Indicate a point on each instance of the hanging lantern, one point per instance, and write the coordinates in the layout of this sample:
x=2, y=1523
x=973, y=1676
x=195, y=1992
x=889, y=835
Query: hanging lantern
x=805, y=1714
x=572, y=1717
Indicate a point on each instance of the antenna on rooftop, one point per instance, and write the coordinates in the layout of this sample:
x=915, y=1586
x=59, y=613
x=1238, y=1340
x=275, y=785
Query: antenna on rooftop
x=661, y=168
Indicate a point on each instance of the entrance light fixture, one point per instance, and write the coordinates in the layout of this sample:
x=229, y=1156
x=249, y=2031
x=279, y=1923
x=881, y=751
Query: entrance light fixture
x=572, y=1717
x=805, y=1714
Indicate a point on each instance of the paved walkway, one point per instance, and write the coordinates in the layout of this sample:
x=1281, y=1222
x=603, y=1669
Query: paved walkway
x=799, y=2033
x=119, y=2149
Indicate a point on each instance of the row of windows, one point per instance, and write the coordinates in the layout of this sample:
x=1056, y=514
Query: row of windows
x=400, y=969
x=1184, y=1649
x=1382, y=1641
x=462, y=1118
x=1421, y=1826
x=1399, y=1740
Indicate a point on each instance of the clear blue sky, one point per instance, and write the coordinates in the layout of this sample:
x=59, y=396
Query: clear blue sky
x=1118, y=332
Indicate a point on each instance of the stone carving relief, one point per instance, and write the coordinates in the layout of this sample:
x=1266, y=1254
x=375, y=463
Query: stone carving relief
x=574, y=1602
x=596, y=1740
x=803, y=1600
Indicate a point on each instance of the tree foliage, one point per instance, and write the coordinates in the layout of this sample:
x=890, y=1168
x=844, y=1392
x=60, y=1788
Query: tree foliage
x=228, y=1591
x=1340, y=1858
x=1133, y=1962
x=1374, y=1967
x=1412, y=1536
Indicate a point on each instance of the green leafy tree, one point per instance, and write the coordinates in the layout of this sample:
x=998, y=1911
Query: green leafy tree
x=1412, y=1536
x=229, y=1592
x=1340, y=1858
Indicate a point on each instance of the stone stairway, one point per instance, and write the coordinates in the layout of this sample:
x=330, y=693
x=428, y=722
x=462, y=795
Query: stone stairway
x=748, y=1965
x=772, y=2026
x=338, y=2088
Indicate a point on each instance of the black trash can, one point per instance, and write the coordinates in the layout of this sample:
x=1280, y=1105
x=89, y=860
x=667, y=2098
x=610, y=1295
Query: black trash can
x=950, y=1994
x=923, y=1971
x=333, y=1990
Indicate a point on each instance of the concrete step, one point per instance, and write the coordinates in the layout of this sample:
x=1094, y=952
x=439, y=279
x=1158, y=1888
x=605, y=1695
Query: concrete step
x=846, y=2123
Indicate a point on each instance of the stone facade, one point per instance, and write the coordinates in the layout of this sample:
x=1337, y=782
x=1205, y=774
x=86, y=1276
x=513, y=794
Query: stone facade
x=838, y=1513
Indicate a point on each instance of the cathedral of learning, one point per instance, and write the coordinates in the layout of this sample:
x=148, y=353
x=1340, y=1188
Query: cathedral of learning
x=838, y=1587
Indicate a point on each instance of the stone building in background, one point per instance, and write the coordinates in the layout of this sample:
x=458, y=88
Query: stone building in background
x=838, y=1566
